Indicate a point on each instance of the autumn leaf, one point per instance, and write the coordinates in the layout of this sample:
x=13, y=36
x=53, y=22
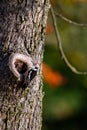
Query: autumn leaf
x=49, y=28
x=52, y=77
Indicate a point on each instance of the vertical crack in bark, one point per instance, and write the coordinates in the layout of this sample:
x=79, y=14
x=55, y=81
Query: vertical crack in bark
x=8, y=38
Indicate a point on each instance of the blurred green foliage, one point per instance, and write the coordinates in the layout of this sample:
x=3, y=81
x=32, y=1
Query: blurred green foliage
x=65, y=107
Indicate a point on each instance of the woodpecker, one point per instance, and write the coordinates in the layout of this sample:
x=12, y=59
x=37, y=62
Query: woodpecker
x=31, y=73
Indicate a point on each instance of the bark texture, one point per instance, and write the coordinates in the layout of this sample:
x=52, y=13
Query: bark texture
x=22, y=30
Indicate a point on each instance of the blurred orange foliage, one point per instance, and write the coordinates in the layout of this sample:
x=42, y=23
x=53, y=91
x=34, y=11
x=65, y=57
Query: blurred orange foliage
x=49, y=28
x=52, y=77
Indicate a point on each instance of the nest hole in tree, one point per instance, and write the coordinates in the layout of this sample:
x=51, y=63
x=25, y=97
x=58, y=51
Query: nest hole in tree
x=20, y=66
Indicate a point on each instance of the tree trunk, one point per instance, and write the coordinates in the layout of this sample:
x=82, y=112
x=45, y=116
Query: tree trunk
x=22, y=31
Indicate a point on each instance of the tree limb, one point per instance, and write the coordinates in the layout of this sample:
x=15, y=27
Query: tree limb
x=60, y=46
x=70, y=21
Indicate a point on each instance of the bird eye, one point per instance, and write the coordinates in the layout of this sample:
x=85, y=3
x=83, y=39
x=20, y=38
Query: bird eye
x=36, y=67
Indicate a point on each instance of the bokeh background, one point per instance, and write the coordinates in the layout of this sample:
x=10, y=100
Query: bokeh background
x=65, y=93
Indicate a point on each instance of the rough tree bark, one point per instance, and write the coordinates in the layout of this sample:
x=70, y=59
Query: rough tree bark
x=22, y=30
